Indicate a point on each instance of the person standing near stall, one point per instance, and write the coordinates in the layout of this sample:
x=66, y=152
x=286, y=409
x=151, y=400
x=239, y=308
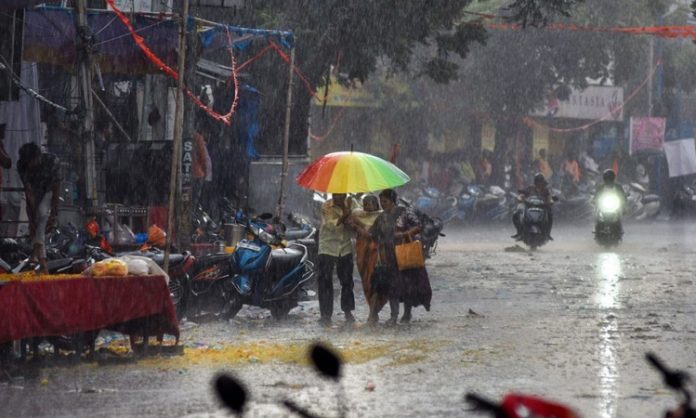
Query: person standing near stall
x=41, y=178
x=5, y=160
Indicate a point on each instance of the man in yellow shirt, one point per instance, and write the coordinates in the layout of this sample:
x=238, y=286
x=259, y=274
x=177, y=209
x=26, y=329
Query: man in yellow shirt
x=335, y=249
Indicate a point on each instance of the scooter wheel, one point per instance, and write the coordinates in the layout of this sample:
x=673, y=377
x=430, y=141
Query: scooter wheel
x=234, y=305
x=280, y=309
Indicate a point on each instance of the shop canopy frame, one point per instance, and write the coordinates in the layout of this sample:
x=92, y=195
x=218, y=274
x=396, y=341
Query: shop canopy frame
x=50, y=38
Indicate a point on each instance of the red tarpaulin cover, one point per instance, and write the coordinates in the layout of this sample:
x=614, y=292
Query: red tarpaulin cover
x=68, y=306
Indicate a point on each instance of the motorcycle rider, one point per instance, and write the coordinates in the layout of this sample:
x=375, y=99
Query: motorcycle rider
x=540, y=189
x=609, y=177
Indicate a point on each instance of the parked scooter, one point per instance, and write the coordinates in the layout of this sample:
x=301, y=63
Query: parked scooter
x=269, y=274
x=431, y=229
x=684, y=201
x=608, y=230
x=435, y=204
x=205, y=229
x=301, y=230
x=641, y=205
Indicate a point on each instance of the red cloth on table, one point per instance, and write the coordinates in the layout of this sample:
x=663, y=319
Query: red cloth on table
x=68, y=306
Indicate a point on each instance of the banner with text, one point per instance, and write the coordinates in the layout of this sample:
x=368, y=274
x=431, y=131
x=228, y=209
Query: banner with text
x=647, y=134
x=595, y=102
x=681, y=157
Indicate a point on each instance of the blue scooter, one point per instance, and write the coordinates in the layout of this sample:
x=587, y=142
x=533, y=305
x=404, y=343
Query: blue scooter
x=268, y=274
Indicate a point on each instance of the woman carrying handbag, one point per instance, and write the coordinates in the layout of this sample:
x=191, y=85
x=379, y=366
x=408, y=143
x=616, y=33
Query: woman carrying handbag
x=410, y=285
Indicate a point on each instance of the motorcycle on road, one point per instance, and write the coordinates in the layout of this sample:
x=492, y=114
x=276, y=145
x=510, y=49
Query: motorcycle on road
x=608, y=230
x=535, y=222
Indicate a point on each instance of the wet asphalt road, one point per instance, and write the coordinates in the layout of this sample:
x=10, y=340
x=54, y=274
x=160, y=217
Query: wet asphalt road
x=570, y=322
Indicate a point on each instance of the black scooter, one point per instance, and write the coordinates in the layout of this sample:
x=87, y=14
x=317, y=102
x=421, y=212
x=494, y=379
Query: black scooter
x=535, y=222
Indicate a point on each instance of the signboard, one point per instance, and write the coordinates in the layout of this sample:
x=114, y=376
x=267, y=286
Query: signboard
x=134, y=5
x=355, y=95
x=681, y=157
x=595, y=102
x=186, y=167
x=488, y=136
x=647, y=134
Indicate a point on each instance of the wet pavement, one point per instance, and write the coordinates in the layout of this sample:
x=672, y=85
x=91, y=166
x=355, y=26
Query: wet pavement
x=570, y=322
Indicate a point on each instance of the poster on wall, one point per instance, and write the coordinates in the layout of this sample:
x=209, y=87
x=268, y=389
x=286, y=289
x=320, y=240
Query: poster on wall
x=681, y=157
x=647, y=134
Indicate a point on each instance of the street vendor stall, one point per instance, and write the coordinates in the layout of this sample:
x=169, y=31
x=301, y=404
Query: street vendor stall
x=44, y=306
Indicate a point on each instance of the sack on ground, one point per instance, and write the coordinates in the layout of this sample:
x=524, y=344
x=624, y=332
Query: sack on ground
x=409, y=255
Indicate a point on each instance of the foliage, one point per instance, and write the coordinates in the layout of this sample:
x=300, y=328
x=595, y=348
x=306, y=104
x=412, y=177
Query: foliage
x=356, y=37
x=537, y=13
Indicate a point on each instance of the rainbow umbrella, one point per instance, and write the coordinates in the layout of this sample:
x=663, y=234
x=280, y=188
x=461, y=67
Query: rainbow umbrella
x=351, y=172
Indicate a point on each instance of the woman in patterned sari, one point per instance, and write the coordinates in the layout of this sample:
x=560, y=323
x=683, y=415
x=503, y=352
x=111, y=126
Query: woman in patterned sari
x=394, y=226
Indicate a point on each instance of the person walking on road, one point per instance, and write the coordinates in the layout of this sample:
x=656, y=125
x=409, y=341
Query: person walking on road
x=396, y=225
x=366, y=252
x=335, y=249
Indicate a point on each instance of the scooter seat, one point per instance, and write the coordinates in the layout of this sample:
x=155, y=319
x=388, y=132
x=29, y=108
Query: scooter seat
x=307, y=242
x=174, y=259
x=285, y=258
x=295, y=234
x=54, y=265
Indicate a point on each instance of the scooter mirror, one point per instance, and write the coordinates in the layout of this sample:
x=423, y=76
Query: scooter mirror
x=326, y=361
x=231, y=392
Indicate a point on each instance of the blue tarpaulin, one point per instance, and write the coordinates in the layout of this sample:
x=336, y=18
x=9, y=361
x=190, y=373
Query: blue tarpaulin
x=49, y=37
x=247, y=117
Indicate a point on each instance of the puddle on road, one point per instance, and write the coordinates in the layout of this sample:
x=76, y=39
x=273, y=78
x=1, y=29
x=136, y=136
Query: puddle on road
x=397, y=353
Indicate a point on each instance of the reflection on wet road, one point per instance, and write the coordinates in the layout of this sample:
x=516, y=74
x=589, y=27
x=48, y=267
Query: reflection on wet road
x=570, y=322
x=608, y=274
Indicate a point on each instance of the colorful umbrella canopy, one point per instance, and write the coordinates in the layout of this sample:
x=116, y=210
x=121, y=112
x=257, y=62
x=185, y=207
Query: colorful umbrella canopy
x=351, y=172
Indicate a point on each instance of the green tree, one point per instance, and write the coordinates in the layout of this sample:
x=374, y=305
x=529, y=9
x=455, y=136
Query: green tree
x=358, y=36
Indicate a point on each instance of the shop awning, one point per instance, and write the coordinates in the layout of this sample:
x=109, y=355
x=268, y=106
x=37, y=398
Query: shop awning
x=19, y=4
x=49, y=37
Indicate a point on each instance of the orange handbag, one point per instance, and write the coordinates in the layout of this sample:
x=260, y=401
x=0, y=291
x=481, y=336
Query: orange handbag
x=409, y=255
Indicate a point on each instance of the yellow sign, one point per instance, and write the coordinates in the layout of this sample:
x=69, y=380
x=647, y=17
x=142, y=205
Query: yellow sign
x=355, y=95
x=488, y=136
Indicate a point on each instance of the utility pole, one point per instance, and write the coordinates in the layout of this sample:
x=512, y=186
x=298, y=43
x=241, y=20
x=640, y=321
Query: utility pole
x=184, y=203
x=286, y=139
x=178, y=134
x=84, y=53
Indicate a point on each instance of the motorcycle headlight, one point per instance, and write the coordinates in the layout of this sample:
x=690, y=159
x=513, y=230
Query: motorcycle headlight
x=609, y=202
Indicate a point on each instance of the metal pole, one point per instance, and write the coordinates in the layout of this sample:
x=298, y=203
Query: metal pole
x=178, y=134
x=85, y=75
x=111, y=116
x=286, y=138
x=650, y=80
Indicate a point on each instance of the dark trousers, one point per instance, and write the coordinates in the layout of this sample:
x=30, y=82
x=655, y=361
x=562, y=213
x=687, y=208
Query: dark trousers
x=344, y=271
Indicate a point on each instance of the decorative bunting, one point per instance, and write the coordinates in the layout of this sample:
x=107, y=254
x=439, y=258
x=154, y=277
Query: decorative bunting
x=140, y=42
